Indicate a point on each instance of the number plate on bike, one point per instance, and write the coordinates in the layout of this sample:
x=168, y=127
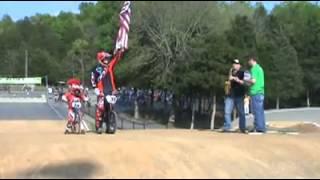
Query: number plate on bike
x=111, y=99
x=76, y=104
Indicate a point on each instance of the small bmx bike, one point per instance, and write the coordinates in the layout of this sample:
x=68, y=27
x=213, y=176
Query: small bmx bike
x=77, y=124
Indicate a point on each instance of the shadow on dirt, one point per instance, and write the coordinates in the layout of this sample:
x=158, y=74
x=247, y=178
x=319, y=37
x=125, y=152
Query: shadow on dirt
x=74, y=170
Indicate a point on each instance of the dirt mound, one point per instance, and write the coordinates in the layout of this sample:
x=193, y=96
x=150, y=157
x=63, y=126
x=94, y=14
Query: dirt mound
x=300, y=127
x=39, y=149
x=305, y=128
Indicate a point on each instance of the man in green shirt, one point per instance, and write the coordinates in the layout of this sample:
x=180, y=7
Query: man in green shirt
x=257, y=95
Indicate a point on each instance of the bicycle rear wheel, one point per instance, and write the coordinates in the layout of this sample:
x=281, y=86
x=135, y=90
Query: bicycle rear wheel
x=112, y=123
x=77, y=124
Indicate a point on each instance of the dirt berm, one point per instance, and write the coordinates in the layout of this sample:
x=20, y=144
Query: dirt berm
x=39, y=149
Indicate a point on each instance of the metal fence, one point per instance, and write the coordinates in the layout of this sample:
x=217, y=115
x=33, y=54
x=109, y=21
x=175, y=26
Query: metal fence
x=21, y=93
x=126, y=121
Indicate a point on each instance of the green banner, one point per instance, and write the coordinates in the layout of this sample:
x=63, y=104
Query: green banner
x=33, y=80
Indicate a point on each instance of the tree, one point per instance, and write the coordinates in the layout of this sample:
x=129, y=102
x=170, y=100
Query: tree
x=260, y=19
x=184, y=47
x=241, y=37
x=210, y=66
x=166, y=36
x=303, y=31
x=79, y=53
x=107, y=19
x=41, y=64
x=279, y=59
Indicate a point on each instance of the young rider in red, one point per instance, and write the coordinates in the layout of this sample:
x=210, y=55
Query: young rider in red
x=75, y=93
x=102, y=79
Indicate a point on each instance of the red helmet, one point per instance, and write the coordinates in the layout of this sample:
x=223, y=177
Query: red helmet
x=74, y=81
x=74, y=84
x=102, y=56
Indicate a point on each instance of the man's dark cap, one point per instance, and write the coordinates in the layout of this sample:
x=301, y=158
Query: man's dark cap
x=236, y=61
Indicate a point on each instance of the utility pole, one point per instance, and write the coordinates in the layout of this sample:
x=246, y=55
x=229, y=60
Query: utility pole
x=26, y=63
x=47, y=81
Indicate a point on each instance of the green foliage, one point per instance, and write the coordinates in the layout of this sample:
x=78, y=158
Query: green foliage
x=181, y=46
x=280, y=61
x=241, y=37
x=301, y=23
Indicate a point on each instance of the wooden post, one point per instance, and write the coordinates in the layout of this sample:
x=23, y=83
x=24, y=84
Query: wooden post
x=192, y=116
x=136, y=109
x=308, y=99
x=214, y=108
x=172, y=117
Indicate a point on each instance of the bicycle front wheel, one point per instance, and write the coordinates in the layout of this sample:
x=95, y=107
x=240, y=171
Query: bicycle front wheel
x=112, y=124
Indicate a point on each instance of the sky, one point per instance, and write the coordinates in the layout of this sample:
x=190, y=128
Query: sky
x=19, y=9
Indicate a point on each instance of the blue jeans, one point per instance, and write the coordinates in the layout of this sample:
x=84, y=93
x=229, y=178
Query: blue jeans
x=258, y=112
x=230, y=102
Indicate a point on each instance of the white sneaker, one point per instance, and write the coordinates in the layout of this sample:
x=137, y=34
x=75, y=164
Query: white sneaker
x=67, y=130
x=256, y=133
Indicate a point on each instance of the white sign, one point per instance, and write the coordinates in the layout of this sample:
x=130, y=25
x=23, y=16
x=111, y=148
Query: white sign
x=247, y=76
x=34, y=80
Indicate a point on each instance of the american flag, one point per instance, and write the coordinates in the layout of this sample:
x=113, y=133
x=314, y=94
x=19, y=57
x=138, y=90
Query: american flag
x=122, y=37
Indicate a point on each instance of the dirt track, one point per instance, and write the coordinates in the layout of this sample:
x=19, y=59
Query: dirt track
x=39, y=149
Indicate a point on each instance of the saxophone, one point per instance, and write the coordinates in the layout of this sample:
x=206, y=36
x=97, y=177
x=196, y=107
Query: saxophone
x=227, y=84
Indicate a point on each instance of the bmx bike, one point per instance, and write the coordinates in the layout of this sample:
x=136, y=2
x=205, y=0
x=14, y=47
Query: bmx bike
x=110, y=116
x=77, y=124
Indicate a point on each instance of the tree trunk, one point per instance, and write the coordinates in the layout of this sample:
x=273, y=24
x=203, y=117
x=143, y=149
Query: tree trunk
x=192, y=116
x=214, y=108
x=165, y=97
x=205, y=104
x=152, y=96
x=278, y=102
x=82, y=70
x=182, y=102
x=195, y=104
x=200, y=104
x=189, y=104
x=308, y=98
